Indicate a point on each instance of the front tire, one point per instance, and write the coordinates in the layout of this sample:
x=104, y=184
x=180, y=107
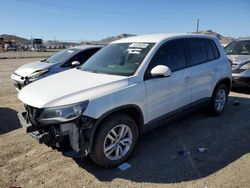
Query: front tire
x=115, y=140
x=219, y=99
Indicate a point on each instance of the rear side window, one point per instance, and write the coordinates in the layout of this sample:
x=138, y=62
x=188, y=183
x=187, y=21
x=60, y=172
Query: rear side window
x=215, y=49
x=201, y=50
x=197, y=51
x=171, y=54
x=210, y=51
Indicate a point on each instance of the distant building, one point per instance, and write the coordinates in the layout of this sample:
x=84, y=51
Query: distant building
x=1, y=44
x=37, y=45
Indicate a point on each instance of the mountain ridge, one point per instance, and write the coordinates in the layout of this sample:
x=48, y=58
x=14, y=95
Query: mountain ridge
x=22, y=40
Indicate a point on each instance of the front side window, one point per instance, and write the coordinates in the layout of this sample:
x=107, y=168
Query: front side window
x=238, y=48
x=85, y=55
x=171, y=54
x=118, y=58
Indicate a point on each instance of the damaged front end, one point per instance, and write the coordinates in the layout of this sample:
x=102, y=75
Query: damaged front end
x=55, y=126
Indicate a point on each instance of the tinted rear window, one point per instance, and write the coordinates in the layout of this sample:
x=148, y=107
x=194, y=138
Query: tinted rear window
x=197, y=51
x=215, y=49
x=201, y=50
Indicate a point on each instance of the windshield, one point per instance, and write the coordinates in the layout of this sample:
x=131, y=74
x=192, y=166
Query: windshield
x=62, y=56
x=238, y=48
x=118, y=58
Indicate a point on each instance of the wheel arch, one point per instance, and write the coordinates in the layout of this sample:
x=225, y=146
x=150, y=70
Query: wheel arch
x=227, y=81
x=131, y=110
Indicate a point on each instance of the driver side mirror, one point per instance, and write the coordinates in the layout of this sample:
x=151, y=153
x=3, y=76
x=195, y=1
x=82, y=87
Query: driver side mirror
x=160, y=71
x=75, y=63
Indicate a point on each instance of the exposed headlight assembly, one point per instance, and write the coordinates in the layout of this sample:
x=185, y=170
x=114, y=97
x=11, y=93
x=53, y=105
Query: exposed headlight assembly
x=246, y=65
x=62, y=114
x=37, y=74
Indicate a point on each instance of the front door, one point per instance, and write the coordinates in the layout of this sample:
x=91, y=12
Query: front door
x=167, y=94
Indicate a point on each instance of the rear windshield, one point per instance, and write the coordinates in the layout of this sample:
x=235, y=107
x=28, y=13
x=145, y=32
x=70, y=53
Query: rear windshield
x=238, y=48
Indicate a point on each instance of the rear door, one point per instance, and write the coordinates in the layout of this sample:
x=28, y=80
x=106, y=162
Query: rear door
x=202, y=61
x=167, y=94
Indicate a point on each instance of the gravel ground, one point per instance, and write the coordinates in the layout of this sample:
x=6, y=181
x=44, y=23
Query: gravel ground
x=156, y=161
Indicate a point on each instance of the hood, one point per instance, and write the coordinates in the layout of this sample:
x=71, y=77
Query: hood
x=29, y=68
x=238, y=59
x=70, y=87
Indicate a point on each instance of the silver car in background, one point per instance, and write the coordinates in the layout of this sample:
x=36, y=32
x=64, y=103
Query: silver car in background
x=238, y=51
x=60, y=61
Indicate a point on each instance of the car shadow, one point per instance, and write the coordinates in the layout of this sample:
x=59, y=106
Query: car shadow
x=8, y=120
x=170, y=154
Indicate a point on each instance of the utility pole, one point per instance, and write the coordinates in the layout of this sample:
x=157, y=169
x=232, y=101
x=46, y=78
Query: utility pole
x=197, y=25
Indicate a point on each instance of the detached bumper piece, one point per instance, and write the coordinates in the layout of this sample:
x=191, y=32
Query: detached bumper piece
x=45, y=137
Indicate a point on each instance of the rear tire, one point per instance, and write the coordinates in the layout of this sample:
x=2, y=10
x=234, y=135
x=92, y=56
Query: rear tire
x=219, y=99
x=115, y=140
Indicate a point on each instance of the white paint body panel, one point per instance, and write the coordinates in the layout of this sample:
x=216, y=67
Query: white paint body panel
x=70, y=87
x=155, y=97
x=167, y=94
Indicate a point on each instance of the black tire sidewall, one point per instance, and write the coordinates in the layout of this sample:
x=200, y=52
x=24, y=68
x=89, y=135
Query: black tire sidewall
x=98, y=152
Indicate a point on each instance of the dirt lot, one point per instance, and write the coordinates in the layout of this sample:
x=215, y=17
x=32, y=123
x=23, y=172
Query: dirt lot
x=155, y=162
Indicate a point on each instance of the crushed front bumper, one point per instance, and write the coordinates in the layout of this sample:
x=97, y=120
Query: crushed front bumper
x=32, y=130
x=54, y=135
x=18, y=81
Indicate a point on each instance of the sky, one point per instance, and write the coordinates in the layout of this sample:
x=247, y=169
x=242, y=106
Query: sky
x=82, y=20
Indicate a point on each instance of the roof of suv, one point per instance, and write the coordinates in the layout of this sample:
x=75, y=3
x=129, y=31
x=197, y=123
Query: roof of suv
x=154, y=38
x=83, y=47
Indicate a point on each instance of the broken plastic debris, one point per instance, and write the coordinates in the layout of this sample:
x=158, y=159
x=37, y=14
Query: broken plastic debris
x=184, y=153
x=202, y=149
x=124, y=166
x=236, y=103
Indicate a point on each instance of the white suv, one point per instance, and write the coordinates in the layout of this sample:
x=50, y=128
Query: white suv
x=123, y=90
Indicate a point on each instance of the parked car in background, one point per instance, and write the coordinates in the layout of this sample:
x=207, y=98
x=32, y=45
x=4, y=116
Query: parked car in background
x=61, y=61
x=238, y=51
x=127, y=87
